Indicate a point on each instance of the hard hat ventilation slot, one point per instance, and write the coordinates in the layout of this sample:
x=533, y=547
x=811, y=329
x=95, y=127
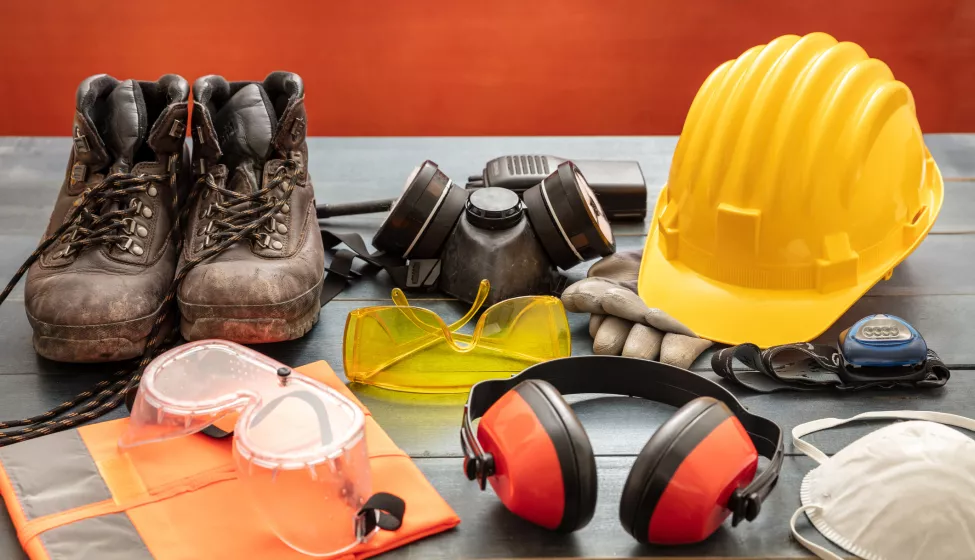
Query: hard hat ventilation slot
x=913, y=229
x=917, y=217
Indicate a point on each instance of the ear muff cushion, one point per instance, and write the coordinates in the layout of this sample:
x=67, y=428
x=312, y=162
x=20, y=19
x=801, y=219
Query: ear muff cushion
x=671, y=442
x=572, y=447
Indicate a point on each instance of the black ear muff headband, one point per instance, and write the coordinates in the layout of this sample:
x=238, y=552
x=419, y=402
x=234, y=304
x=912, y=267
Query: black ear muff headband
x=653, y=381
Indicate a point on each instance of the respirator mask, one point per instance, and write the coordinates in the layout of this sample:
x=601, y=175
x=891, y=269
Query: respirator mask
x=439, y=235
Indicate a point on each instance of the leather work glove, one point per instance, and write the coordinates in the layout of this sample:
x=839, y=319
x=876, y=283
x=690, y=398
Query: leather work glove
x=621, y=324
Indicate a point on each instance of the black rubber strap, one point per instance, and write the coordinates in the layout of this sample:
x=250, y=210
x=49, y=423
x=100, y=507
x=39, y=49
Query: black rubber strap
x=634, y=377
x=381, y=510
x=339, y=272
x=818, y=367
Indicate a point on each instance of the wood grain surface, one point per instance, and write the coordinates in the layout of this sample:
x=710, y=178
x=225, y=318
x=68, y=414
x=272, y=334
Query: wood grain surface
x=934, y=290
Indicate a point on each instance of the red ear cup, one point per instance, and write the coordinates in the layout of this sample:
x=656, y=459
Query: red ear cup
x=545, y=471
x=678, y=487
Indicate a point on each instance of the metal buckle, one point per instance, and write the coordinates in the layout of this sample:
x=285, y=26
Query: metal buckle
x=80, y=142
x=78, y=172
x=125, y=247
x=178, y=129
x=129, y=224
x=297, y=128
x=264, y=240
x=271, y=225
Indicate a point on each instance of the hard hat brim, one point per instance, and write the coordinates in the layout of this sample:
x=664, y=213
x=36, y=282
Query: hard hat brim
x=735, y=315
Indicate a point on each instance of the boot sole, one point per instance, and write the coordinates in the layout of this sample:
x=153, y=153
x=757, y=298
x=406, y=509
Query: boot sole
x=95, y=343
x=279, y=323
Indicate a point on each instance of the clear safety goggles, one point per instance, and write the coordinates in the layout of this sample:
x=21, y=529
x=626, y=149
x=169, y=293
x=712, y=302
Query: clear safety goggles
x=299, y=445
x=408, y=348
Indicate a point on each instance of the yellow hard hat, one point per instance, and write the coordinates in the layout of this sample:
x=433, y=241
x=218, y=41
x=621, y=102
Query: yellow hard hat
x=799, y=181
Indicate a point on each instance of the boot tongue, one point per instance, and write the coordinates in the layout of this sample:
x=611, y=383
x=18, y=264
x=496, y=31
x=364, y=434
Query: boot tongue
x=245, y=126
x=124, y=128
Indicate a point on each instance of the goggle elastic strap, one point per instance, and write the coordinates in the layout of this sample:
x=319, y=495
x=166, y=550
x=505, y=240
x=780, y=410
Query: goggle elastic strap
x=383, y=511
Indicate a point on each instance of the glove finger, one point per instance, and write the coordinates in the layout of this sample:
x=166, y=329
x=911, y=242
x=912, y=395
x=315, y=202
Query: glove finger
x=624, y=303
x=594, y=321
x=681, y=351
x=611, y=336
x=663, y=321
x=643, y=342
x=585, y=295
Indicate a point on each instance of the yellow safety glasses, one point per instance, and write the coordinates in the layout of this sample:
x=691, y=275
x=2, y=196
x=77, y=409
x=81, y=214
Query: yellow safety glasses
x=409, y=348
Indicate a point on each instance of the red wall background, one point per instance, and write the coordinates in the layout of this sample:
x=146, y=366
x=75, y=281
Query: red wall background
x=461, y=67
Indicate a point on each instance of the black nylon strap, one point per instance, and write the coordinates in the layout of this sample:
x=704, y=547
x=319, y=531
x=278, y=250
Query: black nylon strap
x=382, y=510
x=649, y=380
x=819, y=367
x=340, y=272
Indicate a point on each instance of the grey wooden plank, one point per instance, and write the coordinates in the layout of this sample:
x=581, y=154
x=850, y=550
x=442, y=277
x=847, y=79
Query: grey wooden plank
x=29, y=394
x=350, y=169
x=940, y=318
x=488, y=530
x=427, y=425
x=955, y=153
x=940, y=266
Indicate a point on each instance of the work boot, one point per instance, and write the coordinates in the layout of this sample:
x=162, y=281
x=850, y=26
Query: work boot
x=94, y=293
x=255, y=198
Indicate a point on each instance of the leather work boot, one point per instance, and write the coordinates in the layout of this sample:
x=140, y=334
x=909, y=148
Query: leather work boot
x=94, y=293
x=255, y=198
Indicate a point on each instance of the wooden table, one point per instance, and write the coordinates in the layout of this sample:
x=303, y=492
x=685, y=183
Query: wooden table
x=934, y=290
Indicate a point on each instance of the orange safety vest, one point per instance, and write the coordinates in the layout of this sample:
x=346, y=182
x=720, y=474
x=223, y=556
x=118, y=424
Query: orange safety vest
x=73, y=495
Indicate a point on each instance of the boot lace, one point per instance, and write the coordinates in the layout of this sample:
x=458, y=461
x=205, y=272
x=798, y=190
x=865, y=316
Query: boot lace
x=244, y=215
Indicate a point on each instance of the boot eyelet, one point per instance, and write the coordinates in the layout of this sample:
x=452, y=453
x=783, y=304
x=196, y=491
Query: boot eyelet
x=129, y=225
x=282, y=229
x=206, y=242
x=271, y=225
x=130, y=246
x=147, y=212
x=152, y=191
x=141, y=231
x=277, y=245
x=285, y=209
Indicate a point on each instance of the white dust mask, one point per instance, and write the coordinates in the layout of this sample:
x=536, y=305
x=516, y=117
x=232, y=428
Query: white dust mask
x=903, y=492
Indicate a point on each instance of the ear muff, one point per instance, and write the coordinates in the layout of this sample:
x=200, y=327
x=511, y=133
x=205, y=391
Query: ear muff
x=678, y=487
x=421, y=219
x=545, y=471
